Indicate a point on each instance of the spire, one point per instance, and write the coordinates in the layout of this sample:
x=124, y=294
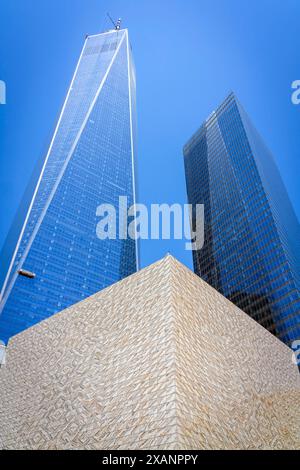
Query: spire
x=117, y=24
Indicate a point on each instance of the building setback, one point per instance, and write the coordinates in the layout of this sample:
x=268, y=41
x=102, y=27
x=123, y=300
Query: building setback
x=159, y=360
x=251, y=252
x=58, y=259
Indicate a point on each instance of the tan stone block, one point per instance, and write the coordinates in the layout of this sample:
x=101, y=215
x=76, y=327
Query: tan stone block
x=159, y=360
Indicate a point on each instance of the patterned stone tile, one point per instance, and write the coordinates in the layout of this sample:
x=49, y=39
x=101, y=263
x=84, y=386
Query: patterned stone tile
x=159, y=360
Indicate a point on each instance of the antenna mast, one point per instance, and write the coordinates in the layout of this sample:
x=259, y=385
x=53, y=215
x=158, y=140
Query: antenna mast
x=117, y=25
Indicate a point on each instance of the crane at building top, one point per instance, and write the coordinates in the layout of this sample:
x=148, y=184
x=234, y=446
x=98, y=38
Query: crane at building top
x=117, y=24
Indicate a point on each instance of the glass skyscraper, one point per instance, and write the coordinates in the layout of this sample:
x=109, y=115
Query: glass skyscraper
x=251, y=252
x=58, y=259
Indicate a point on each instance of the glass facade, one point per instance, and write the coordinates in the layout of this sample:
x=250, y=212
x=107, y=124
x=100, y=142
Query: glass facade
x=251, y=252
x=91, y=160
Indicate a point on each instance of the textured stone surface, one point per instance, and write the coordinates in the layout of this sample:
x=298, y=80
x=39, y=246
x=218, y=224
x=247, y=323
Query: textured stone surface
x=159, y=360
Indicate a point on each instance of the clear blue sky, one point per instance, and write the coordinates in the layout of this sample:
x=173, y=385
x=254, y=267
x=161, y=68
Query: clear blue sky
x=189, y=54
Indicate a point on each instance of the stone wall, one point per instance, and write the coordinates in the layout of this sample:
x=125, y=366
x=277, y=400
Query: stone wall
x=159, y=360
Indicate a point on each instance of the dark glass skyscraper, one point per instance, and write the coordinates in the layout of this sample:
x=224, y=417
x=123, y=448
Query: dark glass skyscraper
x=58, y=259
x=251, y=252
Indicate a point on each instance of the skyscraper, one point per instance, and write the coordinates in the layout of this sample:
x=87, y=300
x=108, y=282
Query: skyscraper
x=58, y=259
x=251, y=252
